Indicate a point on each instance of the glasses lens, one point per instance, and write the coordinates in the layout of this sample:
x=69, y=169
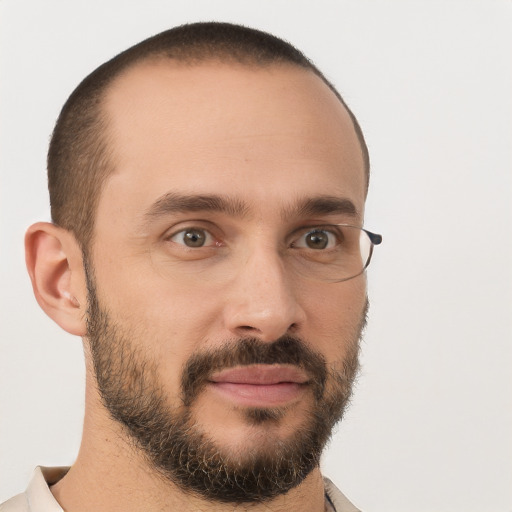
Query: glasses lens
x=333, y=253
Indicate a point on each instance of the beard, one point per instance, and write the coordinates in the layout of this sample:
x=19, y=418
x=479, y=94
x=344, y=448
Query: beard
x=178, y=448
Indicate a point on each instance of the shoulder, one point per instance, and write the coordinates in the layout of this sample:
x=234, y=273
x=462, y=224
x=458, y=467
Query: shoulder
x=338, y=500
x=37, y=497
x=17, y=504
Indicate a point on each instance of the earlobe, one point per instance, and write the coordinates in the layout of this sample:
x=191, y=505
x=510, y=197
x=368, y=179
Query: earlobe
x=54, y=263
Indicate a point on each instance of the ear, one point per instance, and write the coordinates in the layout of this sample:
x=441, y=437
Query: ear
x=54, y=263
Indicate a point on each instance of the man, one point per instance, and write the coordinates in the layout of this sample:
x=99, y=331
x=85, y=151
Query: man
x=207, y=189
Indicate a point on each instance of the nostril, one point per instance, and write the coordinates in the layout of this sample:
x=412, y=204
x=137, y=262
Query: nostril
x=251, y=330
x=247, y=328
x=293, y=327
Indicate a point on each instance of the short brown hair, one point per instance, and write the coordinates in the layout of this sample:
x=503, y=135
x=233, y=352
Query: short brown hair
x=78, y=158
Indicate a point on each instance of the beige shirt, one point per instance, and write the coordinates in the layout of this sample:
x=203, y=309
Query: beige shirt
x=38, y=497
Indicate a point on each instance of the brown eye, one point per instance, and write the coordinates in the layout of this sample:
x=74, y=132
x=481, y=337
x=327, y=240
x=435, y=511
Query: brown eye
x=317, y=239
x=193, y=237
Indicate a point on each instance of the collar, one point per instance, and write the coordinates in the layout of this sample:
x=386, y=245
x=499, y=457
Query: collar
x=40, y=497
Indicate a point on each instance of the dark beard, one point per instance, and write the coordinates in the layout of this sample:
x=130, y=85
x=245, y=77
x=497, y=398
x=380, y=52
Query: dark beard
x=177, y=447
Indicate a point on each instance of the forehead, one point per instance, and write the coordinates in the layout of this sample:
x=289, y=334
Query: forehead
x=226, y=129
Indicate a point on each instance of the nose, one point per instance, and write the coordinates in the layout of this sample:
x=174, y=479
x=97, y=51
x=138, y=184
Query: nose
x=263, y=302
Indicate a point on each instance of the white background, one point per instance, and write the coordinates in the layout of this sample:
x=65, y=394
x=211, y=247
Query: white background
x=431, y=83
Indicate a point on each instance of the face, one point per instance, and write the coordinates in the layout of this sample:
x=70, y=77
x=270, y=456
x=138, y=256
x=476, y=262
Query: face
x=209, y=345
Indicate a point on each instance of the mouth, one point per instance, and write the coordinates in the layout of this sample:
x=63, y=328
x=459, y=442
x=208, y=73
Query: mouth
x=260, y=385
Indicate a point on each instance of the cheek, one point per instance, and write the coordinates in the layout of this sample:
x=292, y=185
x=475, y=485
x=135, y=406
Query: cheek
x=170, y=319
x=335, y=317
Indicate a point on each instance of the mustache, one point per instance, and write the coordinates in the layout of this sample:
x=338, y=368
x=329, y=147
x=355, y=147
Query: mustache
x=249, y=351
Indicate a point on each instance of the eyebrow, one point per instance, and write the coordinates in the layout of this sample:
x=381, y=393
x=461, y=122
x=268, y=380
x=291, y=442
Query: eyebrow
x=323, y=205
x=178, y=203
x=172, y=203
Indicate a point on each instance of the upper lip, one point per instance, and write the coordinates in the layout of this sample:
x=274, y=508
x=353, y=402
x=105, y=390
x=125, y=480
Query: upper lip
x=261, y=374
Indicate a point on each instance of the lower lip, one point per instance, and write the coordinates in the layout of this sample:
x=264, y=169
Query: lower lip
x=259, y=395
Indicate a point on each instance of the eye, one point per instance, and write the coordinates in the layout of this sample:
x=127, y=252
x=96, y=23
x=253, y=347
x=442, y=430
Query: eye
x=193, y=238
x=318, y=239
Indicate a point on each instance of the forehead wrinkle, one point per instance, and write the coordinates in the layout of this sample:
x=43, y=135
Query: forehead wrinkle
x=321, y=205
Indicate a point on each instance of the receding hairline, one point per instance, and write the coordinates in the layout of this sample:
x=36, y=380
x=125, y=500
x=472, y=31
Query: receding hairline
x=154, y=61
x=160, y=62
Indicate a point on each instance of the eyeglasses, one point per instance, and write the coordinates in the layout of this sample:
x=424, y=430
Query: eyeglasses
x=332, y=252
x=321, y=252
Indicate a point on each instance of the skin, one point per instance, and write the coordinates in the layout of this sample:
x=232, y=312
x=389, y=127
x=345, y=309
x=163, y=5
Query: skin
x=266, y=138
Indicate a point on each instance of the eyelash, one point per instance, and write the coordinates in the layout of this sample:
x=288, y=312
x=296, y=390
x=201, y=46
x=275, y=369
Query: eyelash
x=334, y=236
x=190, y=230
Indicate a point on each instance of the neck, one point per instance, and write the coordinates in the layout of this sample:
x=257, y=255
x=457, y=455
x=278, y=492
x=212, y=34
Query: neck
x=122, y=479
